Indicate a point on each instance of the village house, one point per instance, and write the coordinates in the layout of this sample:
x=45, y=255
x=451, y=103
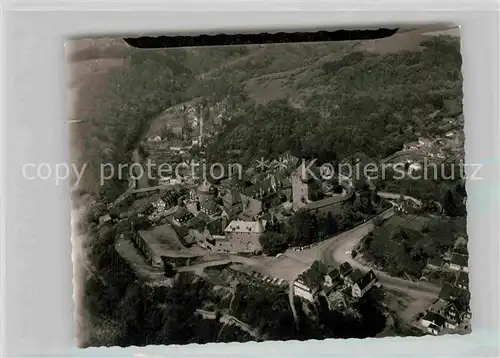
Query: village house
x=455, y=312
x=209, y=206
x=449, y=292
x=261, y=189
x=459, y=262
x=182, y=215
x=364, y=284
x=304, y=291
x=462, y=280
x=210, y=235
x=216, y=229
x=170, y=198
x=308, y=285
x=345, y=269
x=199, y=222
x=158, y=214
x=159, y=205
x=186, y=235
x=232, y=203
x=192, y=195
x=332, y=278
x=214, y=239
x=146, y=209
x=268, y=219
x=434, y=322
x=251, y=208
x=353, y=277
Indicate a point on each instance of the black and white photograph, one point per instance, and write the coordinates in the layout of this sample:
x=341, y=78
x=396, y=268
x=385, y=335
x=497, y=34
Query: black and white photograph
x=268, y=191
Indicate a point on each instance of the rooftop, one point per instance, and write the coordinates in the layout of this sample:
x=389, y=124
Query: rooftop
x=356, y=275
x=345, y=268
x=215, y=227
x=460, y=260
x=449, y=292
x=263, y=187
x=436, y=318
x=334, y=273
x=233, y=197
x=198, y=223
x=462, y=278
x=251, y=207
x=210, y=204
x=366, y=279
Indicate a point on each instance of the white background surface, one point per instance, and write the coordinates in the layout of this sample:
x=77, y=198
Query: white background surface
x=37, y=304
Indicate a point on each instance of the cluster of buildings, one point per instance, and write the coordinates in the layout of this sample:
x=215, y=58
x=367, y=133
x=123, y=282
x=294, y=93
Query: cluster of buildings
x=191, y=114
x=451, y=311
x=226, y=217
x=455, y=260
x=447, y=143
x=342, y=281
x=437, y=148
x=449, y=132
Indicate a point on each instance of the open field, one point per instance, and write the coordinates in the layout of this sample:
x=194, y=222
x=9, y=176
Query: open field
x=413, y=222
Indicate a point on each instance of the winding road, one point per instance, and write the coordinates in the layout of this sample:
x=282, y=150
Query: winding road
x=334, y=251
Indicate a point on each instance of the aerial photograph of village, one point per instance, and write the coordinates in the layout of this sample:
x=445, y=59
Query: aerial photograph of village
x=286, y=191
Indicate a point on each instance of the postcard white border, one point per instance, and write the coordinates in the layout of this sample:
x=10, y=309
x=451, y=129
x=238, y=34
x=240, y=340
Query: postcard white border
x=37, y=304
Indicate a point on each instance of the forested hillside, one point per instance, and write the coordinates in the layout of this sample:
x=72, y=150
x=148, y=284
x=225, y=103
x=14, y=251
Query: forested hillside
x=326, y=102
x=363, y=102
